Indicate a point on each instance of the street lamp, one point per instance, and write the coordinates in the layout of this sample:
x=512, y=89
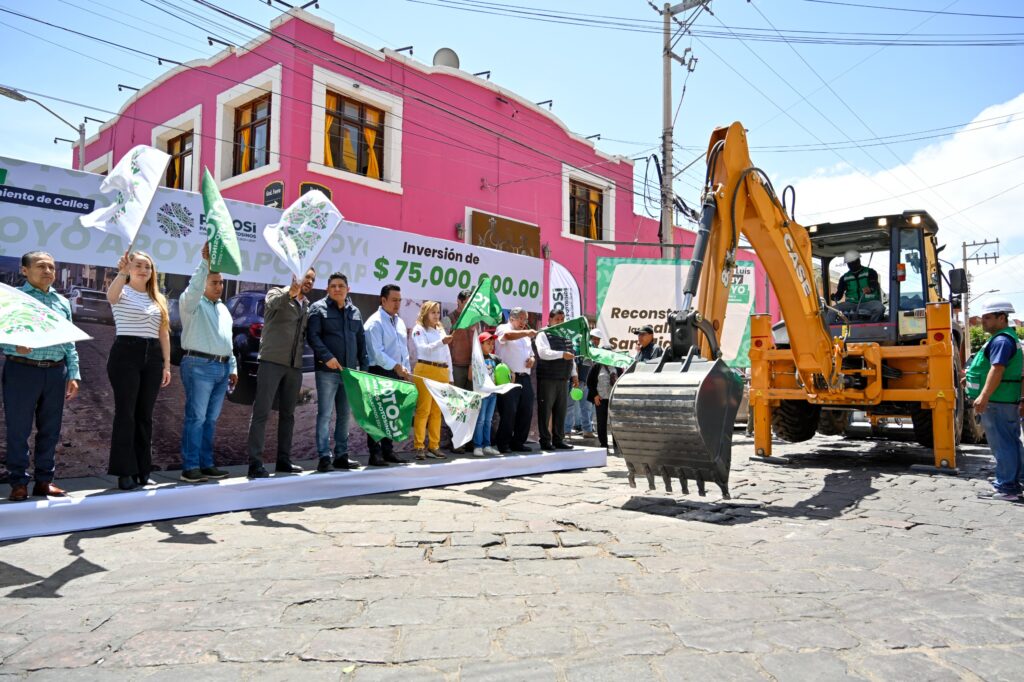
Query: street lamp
x=984, y=293
x=11, y=93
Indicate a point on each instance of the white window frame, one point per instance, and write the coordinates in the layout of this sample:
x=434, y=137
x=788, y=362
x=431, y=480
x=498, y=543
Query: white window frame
x=179, y=125
x=227, y=102
x=391, y=105
x=100, y=164
x=607, y=188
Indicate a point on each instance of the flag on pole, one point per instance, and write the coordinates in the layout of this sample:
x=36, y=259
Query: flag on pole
x=130, y=187
x=482, y=306
x=24, y=321
x=577, y=331
x=303, y=232
x=459, y=407
x=609, y=357
x=225, y=256
x=564, y=292
x=382, y=406
x=482, y=382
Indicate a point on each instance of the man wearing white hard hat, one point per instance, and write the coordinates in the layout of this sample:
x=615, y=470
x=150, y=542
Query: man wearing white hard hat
x=579, y=415
x=858, y=290
x=994, y=384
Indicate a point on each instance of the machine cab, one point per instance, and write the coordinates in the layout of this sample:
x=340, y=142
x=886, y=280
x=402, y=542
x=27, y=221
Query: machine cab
x=902, y=251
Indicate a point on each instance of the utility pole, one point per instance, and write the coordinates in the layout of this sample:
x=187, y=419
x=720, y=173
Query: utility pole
x=983, y=258
x=668, y=13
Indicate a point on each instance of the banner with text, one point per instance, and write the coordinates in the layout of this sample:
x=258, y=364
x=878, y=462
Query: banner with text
x=41, y=208
x=632, y=292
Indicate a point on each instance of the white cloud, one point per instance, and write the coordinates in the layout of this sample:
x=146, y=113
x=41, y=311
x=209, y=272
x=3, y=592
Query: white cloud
x=837, y=194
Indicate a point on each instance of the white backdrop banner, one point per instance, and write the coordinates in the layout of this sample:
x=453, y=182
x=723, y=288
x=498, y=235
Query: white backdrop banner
x=41, y=208
x=565, y=292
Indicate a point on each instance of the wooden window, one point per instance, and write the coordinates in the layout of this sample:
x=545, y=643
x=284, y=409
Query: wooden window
x=179, y=170
x=252, y=135
x=353, y=136
x=586, y=210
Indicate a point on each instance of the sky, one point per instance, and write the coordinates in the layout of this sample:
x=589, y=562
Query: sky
x=874, y=110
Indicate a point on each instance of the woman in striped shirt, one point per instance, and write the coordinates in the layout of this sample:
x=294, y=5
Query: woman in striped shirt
x=139, y=365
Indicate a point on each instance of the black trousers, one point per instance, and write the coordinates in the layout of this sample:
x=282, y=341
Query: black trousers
x=516, y=409
x=551, y=405
x=284, y=382
x=383, y=446
x=135, y=368
x=602, y=422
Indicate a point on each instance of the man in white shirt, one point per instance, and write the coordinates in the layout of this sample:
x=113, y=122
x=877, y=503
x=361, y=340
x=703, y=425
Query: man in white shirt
x=387, y=351
x=516, y=407
x=554, y=370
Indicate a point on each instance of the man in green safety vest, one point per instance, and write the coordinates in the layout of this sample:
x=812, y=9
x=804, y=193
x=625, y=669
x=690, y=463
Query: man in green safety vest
x=859, y=291
x=994, y=383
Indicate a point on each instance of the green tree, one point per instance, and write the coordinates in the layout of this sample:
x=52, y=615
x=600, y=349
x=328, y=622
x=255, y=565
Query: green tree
x=978, y=339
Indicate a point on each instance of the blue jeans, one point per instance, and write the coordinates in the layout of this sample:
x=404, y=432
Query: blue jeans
x=33, y=394
x=482, y=434
x=331, y=397
x=579, y=412
x=206, y=383
x=1001, y=422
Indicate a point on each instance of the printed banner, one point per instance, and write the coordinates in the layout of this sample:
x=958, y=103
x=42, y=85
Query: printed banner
x=382, y=406
x=482, y=381
x=564, y=291
x=220, y=232
x=632, y=292
x=41, y=208
x=303, y=232
x=24, y=321
x=129, y=188
x=459, y=407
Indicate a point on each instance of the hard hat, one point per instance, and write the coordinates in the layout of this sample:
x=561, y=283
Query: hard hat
x=997, y=305
x=851, y=255
x=502, y=374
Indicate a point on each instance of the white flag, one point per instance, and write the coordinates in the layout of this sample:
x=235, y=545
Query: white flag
x=459, y=407
x=131, y=187
x=25, y=321
x=564, y=291
x=303, y=231
x=482, y=382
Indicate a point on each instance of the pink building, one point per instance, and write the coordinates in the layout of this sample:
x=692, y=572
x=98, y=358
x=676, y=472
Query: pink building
x=396, y=143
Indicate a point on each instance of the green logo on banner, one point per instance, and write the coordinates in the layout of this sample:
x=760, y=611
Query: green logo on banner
x=3, y=175
x=739, y=293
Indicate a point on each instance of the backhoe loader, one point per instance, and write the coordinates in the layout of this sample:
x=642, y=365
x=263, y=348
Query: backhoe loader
x=673, y=417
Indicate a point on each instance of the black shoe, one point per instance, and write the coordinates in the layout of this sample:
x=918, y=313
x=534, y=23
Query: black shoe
x=504, y=451
x=323, y=465
x=390, y=458
x=144, y=479
x=285, y=466
x=343, y=462
x=563, y=446
x=521, y=448
x=127, y=483
x=192, y=476
x=258, y=472
x=214, y=472
x=547, y=447
x=376, y=462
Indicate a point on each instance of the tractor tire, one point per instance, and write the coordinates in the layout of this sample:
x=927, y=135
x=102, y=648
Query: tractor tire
x=795, y=421
x=833, y=422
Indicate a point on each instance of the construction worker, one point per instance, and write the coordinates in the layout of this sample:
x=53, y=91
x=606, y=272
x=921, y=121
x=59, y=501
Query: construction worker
x=858, y=290
x=994, y=383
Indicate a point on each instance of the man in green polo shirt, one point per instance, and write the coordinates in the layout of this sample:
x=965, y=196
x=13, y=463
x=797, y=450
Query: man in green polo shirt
x=994, y=383
x=858, y=290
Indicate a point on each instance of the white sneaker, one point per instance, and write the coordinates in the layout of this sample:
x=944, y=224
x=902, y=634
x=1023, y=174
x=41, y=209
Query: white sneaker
x=478, y=452
x=493, y=452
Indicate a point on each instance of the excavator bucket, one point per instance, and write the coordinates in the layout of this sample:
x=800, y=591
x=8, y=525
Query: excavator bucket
x=671, y=422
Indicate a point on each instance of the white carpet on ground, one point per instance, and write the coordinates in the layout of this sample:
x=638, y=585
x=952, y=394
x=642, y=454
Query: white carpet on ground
x=91, y=510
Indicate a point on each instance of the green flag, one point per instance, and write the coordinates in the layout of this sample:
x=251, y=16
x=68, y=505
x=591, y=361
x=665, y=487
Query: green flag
x=382, y=406
x=610, y=357
x=577, y=331
x=482, y=306
x=220, y=230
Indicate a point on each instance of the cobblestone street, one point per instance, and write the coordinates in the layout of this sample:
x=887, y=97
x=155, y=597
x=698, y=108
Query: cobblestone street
x=843, y=565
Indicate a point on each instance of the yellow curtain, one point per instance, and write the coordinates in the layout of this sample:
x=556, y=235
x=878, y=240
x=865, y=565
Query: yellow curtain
x=348, y=151
x=595, y=197
x=332, y=105
x=372, y=167
x=178, y=180
x=246, y=160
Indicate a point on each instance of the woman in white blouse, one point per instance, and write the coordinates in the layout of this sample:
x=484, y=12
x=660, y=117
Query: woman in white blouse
x=433, y=361
x=139, y=365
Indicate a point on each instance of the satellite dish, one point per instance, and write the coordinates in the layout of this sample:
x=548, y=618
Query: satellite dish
x=446, y=57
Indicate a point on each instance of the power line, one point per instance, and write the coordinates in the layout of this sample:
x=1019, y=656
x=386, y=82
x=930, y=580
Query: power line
x=920, y=11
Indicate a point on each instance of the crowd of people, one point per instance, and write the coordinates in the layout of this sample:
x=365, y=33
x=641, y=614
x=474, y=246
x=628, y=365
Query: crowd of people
x=37, y=381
